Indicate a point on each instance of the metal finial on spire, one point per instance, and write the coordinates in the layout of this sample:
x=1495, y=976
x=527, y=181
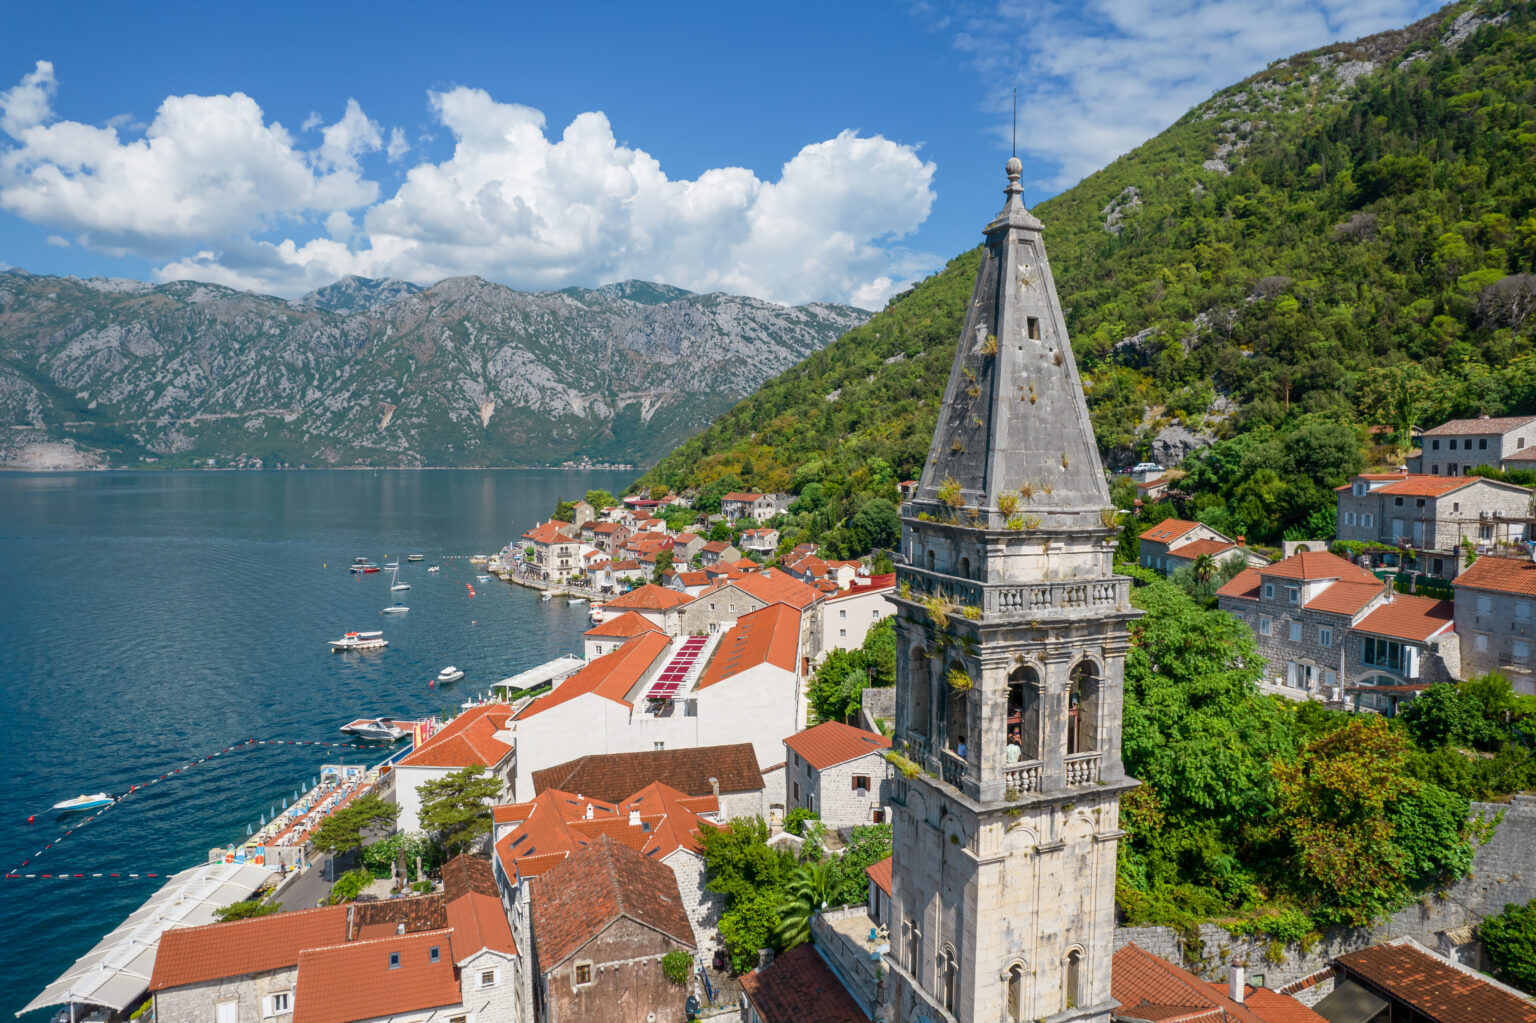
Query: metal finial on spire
x=1015, y=122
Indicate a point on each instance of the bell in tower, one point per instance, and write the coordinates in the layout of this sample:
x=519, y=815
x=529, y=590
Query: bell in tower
x=1012, y=631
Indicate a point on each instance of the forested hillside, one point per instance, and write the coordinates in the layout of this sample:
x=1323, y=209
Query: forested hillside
x=1345, y=240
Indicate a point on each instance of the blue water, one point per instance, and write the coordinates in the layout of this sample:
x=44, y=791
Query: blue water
x=147, y=619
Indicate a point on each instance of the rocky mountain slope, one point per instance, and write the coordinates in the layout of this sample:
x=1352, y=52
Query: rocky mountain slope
x=1345, y=239
x=378, y=372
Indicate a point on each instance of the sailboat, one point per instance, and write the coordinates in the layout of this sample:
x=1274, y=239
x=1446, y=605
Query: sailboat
x=395, y=583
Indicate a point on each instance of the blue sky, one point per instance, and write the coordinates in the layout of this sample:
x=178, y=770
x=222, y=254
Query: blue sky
x=793, y=151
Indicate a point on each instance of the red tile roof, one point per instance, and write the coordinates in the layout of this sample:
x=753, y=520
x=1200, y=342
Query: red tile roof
x=627, y=625
x=193, y=955
x=1500, y=575
x=866, y=585
x=1409, y=617
x=1523, y=455
x=832, y=742
x=1423, y=485
x=1317, y=565
x=1244, y=585
x=475, y=912
x=1168, y=530
x=740, y=496
x=468, y=739
x=1150, y=988
x=797, y=987
x=1195, y=548
x=774, y=586
x=880, y=873
x=1435, y=987
x=769, y=635
x=1461, y=427
x=649, y=597
x=610, y=676
x=345, y=983
x=548, y=532
x=1347, y=598
x=609, y=527
x=612, y=776
x=716, y=547
x=693, y=578
x=575, y=901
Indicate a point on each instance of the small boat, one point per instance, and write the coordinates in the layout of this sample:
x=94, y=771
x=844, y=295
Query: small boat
x=449, y=674
x=381, y=729
x=364, y=566
x=392, y=564
x=577, y=600
x=546, y=595
x=415, y=557
x=360, y=561
x=483, y=578
x=395, y=583
x=433, y=569
x=359, y=641
x=370, y=568
x=597, y=616
x=84, y=803
x=395, y=609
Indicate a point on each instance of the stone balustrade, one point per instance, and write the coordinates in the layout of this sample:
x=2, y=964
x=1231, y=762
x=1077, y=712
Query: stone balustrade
x=1083, y=768
x=951, y=768
x=1023, y=777
x=1055, y=598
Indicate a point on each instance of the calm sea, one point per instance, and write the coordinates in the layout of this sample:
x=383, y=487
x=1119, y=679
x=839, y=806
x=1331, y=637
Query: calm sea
x=147, y=619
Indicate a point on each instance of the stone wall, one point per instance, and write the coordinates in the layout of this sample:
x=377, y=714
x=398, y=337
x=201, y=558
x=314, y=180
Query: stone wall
x=839, y=804
x=195, y=1003
x=878, y=704
x=497, y=1002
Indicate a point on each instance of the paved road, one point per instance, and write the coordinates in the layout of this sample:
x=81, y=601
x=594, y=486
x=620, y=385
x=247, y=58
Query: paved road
x=311, y=887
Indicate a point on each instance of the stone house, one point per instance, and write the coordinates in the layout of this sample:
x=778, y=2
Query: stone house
x=1329, y=629
x=1494, y=619
x=1456, y=447
x=552, y=550
x=716, y=551
x=840, y=772
x=602, y=920
x=1432, y=516
x=1402, y=980
x=686, y=547
x=731, y=598
x=1175, y=543
x=760, y=507
x=1149, y=987
x=688, y=583
x=608, y=536
x=847, y=616
x=657, y=604
x=582, y=512
x=729, y=773
x=764, y=541
x=477, y=737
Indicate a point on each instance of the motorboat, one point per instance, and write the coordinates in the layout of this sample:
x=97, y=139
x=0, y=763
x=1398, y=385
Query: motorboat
x=359, y=641
x=380, y=729
x=449, y=674
x=370, y=568
x=361, y=561
x=395, y=609
x=577, y=600
x=364, y=566
x=433, y=569
x=483, y=578
x=415, y=557
x=392, y=565
x=596, y=617
x=79, y=803
x=546, y=595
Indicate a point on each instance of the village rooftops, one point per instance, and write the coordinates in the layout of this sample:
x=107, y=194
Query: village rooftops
x=1408, y=617
x=1168, y=530
x=649, y=597
x=1460, y=427
x=611, y=676
x=467, y=740
x=581, y=897
x=549, y=532
x=1436, y=989
x=475, y=911
x=1153, y=990
x=832, y=742
x=769, y=635
x=1499, y=575
x=798, y=986
x=383, y=977
x=1195, y=548
x=1349, y=588
x=624, y=626
x=774, y=586
x=741, y=497
x=691, y=771
x=196, y=955
x=1425, y=485
x=862, y=585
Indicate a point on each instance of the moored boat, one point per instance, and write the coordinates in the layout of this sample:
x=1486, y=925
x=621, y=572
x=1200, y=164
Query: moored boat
x=449, y=674
x=359, y=641
x=434, y=569
x=395, y=609
x=380, y=729
x=84, y=803
x=415, y=557
x=577, y=600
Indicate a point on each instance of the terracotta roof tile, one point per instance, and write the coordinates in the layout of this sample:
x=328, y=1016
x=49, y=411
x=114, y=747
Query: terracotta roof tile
x=649, y=597
x=1153, y=989
x=1435, y=987
x=578, y=899
x=1423, y=485
x=464, y=874
x=774, y=586
x=192, y=955
x=880, y=873
x=863, y=586
x=548, y=532
x=376, y=919
x=1460, y=427
x=1523, y=455
x=740, y=496
x=797, y=987
x=468, y=739
x=479, y=921
x=627, y=625
x=1244, y=585
x=716, y=547
x=1317, y=565
x=1500, y=575
x=1409, y=617
x=1167, y=530
x=612, y=776
x=355, y=981
x=832, y=742
x=610, y=676
x=1347, y=598
x=1195, y=548
x=769, y=635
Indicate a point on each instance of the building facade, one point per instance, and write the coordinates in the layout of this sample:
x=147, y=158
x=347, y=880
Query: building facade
x=840, y=772
x=1495, y=620
x=1432, y=517
x=1457, y=447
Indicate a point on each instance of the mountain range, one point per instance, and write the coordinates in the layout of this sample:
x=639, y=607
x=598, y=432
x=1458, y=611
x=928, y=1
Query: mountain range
x=378, y=372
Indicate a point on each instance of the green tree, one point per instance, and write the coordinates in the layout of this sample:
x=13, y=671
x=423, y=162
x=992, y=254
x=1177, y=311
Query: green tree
x=719, y=531
x=601, y=499
x=343, y=830
x=739, y=864
x=458, y=806
x=349, y=886
x=1204, y=567
x=247, y=910
x=836, y=687
x=1401, y=396
x=868, y=844
x=1442, y=716
x=794, y=820
x=876, y=524
x=809, y=889
x=879, y=650
x=1510, y=941
x=664, y=561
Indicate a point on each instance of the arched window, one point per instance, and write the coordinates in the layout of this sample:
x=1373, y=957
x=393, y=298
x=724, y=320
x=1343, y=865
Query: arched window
x=955, y=736
x=930, y=559
x=965, y=568
x=921, y=692
x=1015, y=1006
x=915, y=951
x=1023, y=725
x=951, y=978
x=1074, y=977
x=1083, y=708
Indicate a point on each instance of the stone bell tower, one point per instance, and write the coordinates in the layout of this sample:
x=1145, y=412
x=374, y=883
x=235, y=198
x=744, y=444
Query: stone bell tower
x=1011, y=633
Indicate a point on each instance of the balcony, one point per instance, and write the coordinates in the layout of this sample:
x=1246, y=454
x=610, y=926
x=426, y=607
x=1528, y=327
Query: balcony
x=1059, y=598
x=952, y=769
x=1083, y=769
x=1023, y=777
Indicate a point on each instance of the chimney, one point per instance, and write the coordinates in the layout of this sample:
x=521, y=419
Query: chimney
x=1236, y=981
x=400, y=927
x=588, y=814
x=634, y=816
x=1241, y=539
x=714, y=786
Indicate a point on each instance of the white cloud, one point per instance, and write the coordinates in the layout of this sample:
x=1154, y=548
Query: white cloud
x=58, y=241
x=212, y=181
x=27, y=103
x=1098, y=78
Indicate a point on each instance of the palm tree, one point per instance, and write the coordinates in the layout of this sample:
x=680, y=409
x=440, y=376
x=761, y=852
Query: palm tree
x=1204, y=567
x=806, y=893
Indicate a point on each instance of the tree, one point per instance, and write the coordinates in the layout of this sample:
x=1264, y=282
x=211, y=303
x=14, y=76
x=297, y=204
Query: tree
x=349, y=886
x=810, y=888
x=875, y=524
x=1442, y=716
x=600, y=499
x=880, y=652
x=1401, y=396
x=719, y=531
x=1510, y=941
x=740, y=866
x=868, y=844
x=247, y=910
x=837, y=686
x=664, y=561
x=343, y=830
x=458, y=806
x=1204, y=567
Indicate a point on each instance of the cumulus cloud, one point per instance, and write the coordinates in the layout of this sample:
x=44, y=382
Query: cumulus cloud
x=212, y=182
x=1098, y=78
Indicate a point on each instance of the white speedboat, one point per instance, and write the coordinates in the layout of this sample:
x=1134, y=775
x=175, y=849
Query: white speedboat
x=483, y=578
x=597, y=616
x=380, y=729
x=415, y=557
x=391, y=564
x=433, y=569
x=83, y=803
x=395, y=609
x=546, y=595
x=577, y=600
x=449, y=674
x=364, y=566
x=359, y=641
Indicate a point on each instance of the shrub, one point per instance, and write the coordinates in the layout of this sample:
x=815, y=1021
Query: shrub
x=677, y=965
x=350, y=885
x=794, y=821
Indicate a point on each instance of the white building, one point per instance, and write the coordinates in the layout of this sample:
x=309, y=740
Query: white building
x=847, y=617
x=476, y=737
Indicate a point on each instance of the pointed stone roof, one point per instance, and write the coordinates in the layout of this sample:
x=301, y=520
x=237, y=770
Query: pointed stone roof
x=1014, y=416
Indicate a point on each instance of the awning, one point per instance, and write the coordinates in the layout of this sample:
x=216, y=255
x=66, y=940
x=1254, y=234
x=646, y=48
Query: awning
x=116, y=972
x=1348, y=1002
x=559, y=668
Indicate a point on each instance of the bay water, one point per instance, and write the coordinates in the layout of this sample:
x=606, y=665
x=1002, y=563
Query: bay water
x=148, y=619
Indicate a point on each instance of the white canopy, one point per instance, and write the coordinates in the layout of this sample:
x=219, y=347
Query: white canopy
x=116, y=972
x=550, y=671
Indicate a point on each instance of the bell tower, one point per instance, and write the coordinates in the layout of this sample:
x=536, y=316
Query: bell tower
x=1011, y=633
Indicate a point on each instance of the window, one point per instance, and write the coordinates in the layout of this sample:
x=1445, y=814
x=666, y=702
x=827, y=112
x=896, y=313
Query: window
x=1523, y=610
x=842, y=612
x=1484, y=605
x=1269, y=591
x=877, y=816
x=1383, y=653
x=842, y=633
x=434, y=954
x=951, y=978
x=458, y=1019
x=1365, y=519
x=711, y=605
x=1453, y=444
x=274, y=1005
x=394, y=960
x=1324, y=636
x=1439, y=566
x=731, y=608
x=1349, y=518
x=1397, y=501
x=1074, y=977
x=227, y=1012
x=658, y=746
x=914, y=949
x=583, y=974
x=1034, y=328
x=1521, y=654
x=1482, y=444
x=861, y=784
x=690, y=708
x=1295, y=632
x=795, y=793
x=1482, y=642
x=1266, y=627
x=1293, y=594
x=1435, y=444
x=1455, y=506
x=1419, y=503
